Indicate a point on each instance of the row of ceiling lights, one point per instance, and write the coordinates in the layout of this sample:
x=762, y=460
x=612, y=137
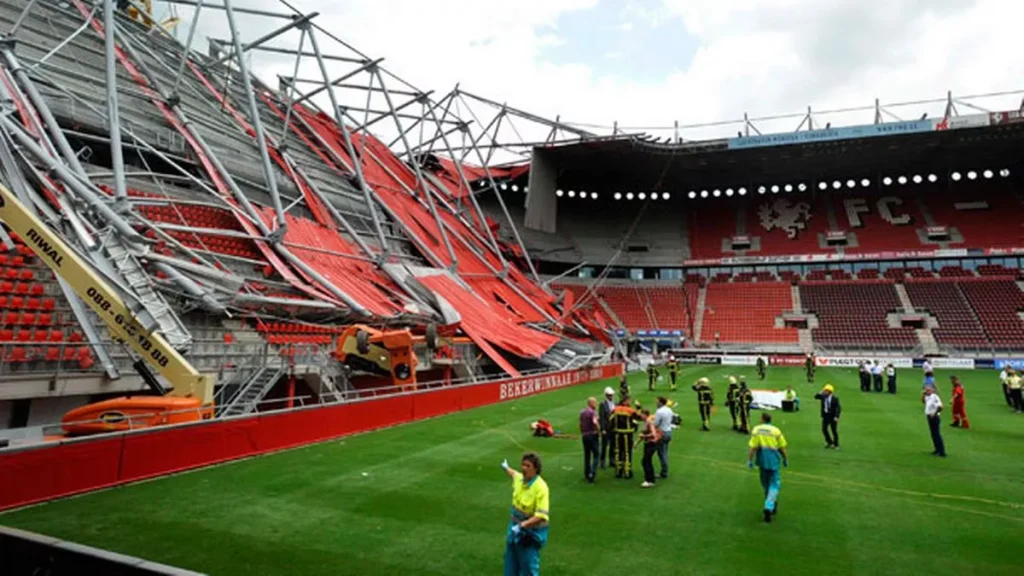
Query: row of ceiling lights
x=774, y=189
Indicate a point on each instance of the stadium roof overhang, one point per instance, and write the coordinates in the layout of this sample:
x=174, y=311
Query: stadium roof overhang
x=634, y=164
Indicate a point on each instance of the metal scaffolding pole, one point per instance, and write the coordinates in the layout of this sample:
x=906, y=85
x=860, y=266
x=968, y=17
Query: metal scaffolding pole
x=296, y=23
x=419, y=178
x=257, y=124
x=350, y=150
x=56, y=134
x=113, y=117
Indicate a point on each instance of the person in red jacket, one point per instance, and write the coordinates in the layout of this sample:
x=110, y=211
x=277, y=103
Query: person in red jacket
x=959, y=402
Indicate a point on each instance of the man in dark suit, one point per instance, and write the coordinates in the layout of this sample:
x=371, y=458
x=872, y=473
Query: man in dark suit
x=604, y=414
x=830, y=410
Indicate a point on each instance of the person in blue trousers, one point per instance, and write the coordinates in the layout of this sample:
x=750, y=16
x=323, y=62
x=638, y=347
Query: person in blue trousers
x=528, y=527
x=768, y=451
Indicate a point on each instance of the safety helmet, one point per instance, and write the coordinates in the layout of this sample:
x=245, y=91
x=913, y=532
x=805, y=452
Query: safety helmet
x=732, y=379
x=609, y=392
x=703, y=381
x=828, y=388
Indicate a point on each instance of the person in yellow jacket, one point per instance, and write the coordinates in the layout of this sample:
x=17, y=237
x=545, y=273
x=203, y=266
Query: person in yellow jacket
x=624, y=423
x=768, y=452
x=673, y=372
x=528, y=527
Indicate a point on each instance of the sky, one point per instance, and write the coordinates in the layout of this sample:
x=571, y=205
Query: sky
x=648, y=64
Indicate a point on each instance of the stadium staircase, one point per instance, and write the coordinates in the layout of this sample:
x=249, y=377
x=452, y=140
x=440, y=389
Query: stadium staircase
x=252, y=391
x=698, y=321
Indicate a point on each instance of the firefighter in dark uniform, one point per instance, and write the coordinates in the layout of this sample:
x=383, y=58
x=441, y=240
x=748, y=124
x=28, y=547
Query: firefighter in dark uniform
x=809, y=364
x=673, y=372
x=623, y=388
x=732, y=400
x=705, y=399
x=762, y=368
x=652, y=376
x=624, y=423
x=746, y=398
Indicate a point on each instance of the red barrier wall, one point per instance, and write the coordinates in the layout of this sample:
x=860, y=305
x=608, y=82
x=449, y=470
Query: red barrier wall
x=47, y=471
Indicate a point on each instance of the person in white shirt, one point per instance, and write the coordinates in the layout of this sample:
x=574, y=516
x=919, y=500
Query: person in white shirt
x=663, y=421
x=1004, y=378
x=932, y=411
x=890, y=372
x=876, y=375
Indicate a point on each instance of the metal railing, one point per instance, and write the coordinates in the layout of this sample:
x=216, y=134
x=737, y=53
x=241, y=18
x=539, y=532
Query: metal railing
x=137, y=422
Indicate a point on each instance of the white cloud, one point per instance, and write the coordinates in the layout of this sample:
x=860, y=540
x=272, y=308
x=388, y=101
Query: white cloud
x=764, y=57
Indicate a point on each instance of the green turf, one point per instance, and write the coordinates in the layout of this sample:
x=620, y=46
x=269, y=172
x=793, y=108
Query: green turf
x=430, y=498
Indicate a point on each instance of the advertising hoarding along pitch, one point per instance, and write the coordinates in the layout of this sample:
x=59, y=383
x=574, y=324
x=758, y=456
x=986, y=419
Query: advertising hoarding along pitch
x=854, y=361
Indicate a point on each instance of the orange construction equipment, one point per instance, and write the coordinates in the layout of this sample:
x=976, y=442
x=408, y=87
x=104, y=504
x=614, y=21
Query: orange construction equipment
x=133, y=413
x=384, y=351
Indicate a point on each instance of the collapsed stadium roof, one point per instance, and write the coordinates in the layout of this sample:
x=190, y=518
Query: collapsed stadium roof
x=194, y=185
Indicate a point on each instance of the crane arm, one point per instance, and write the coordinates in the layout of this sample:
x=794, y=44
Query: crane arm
x=104, y=300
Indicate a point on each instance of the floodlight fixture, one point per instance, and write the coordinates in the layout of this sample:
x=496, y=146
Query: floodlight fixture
x=801, y=187
x=504, y=185
x=788, y=188
x=775, y=188
x=559, y=193
x=1005, y=172
x=629, y=195
x=618, y=195
x=887, y=181
x=572, y=193
x=642, y=196
x=742, y=191
x=729, y=192
x=761, y=190
x=902, y=179
x=665, y=196
x=988, y=174
x=716, y=193
x=972, y=175
x=703, y=193
x=837, y=184
x=515, y=188
x=593, y=195
x=692, y=194
x=918, y=179
x=865, y=182
x=822, y=185
x=956, y=176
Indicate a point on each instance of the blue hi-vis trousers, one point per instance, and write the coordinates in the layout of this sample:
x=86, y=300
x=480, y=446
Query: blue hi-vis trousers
x=770, y=481
x=522, y=553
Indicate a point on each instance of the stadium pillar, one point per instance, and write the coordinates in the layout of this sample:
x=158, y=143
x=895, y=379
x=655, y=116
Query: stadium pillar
x=541, y=204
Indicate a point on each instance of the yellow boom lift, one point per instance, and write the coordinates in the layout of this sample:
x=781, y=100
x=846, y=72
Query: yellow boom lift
x=187, y=382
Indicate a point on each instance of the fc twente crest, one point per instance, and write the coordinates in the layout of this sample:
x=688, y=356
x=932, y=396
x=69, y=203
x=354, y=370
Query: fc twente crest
x=785, y=215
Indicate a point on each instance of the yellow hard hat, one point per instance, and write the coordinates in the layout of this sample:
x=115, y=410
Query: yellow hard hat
x=828, y=388
x=732, y=379
x=703, y=381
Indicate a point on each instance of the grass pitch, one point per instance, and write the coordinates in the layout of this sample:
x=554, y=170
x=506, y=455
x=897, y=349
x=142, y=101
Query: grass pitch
x=430, y=498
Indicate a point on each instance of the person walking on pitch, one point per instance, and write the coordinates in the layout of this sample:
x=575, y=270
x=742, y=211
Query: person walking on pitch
x=590, y=433
x=651, y=437
x=959, y=402
x=932, y=411
x=673, y=372
x=876, y=376
x=705, y=399
x=528, y=527
x=732, y=400
x=746, y=399
x=604, y=417
x=652, y=376
x=830, y=411
x=809, y=365
x=768, y=452
x=761, y=367
x=624, y=421
x=890, y=374
x=663, y=421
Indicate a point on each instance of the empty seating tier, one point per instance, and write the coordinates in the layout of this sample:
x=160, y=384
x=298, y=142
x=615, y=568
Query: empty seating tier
x=853, y=314
x=746, y=313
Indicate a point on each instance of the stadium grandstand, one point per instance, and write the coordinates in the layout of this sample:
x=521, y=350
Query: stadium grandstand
x=250, y=244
